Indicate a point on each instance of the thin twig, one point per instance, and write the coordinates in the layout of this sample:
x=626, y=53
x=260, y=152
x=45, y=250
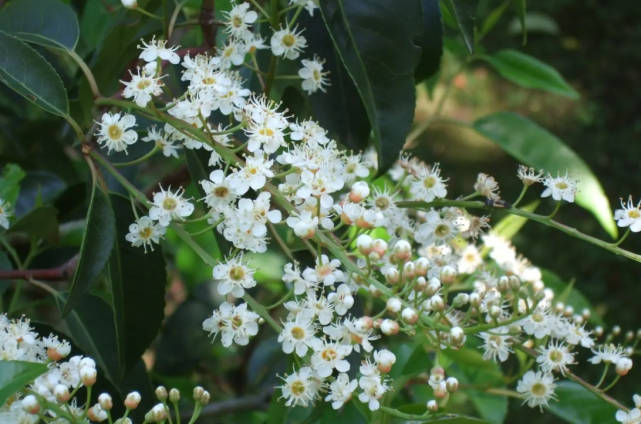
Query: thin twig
x=62, y=272
x=229, y=406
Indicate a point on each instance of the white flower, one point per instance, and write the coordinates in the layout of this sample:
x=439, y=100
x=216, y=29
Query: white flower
x=157, y=49
x=159, y=137
x=115, y=133
x=496, y=345
x=328, y=356
x=287, y=43
x=428, y=184
x=555, y=357
x=297, y=335
x=536, y=388
x=561, y=187
x=632, y=417
x=236, y=323
x=129, y=4
x=300, y=387
x=470, y=260
x=168, y=206
x=340, y=390
x=325, y=272
x=436, y=230
x=537, y=324
x=234, y=277
x=254, y=174
x=373, y=389
x=487, y=186
x=267, y=135
x=309, y=5
x=384, y=360
x=314, y=78
x=239, y=19
x=292, y=276
x=5, y=213
x=629, y=216
x=309, y=132
x=342, y=299
x=232, y=53
x=142, y=88
x=304, y=225
x=355, y=167
x=609, y=354
x=144, y=232
x=529, y=176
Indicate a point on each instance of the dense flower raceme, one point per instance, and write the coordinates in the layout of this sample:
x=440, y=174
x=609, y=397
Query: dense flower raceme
x=290, y=173
x=51, y=396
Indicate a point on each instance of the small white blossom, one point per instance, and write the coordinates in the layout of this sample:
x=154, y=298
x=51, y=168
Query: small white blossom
x=234, y=277
x=560, y=187
x=115, y=132
x=236, y=323
x=329, y=356
x=342, y=299
x=529, y=176
x=536, y=388
x=340, y=390
x=144, y=232
x=314, y=78
x=496, y=345
x=158, y=49
x=287, y=43
x=297, y=335
x=167, y=206
x=629, y=215
x=142, y=88
x=299, y=388
x=160, y=139
x=555, y=357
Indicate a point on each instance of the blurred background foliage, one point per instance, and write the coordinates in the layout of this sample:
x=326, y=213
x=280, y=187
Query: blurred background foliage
x=593, y=44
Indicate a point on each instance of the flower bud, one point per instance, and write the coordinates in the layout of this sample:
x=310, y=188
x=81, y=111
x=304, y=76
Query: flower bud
x=384, y=360
x=161, y=393
x=437, y=371
x=158, y=413
x=421, y=284
x=389, y=327
x=559, y=307
x=515, y=282
x=105, y=401
x=451, y=384
x=421, y=266
x=402, y=250
x=123, y=421
x=568, y=311
x=364, y=244
x=503, y=284
x=30, y=405
x=408, y=271
x=380, y=247
x=61, y=392
x=495, y=311
x=174, y=395
x=133, y=400
x=95, y=413
x=616, y=330
x=394, y=304
x=433, y=286
x=623, y=365
x=129, y=4
x=363, y=324
x=392, y=276
x=374, y=257
x=374, y=291
x=88, y=376
x=59, y=352
x=261, y=320
x=447, y=275
x=475, y=300
x=437, y=303
x=205, y=399
x=539, y=296
x=457, y=336
x=87, y=362
x=409, y=315
x=585, y=313
x=198, y=393
x=360, y=191
x=598, y=331
x=378, y=322
x=440, y=391
x=461, y=299
x=578, y=319
x=432, y=406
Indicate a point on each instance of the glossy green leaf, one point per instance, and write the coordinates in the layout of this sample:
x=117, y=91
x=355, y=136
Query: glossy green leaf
x=465, y=13
x=49, y=23
x=577, y=405
x=96, y=248
x=15, y=375
x=573, y=296
x=430, y=41
x=340, y=110
x=520, y=8
x=410, y=361
x=31, y=76
x=534, y=146
x=138, y=281
x=277, y=411
x=10, y=183
x=492, y=19
x=529, y=72
x=374, y=39
x=509, y=226
x=40, y=223
x=91, y=327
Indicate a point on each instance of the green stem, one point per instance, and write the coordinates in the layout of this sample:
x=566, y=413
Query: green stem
x=287, y=77
x=281, y=301
x=518, y=200
x=151, y=15
x=211, y=227
x=259, y=72
x=88, y=74
x=611, y=385
x=410, y=417
x=253, y=68
x=260, y=310
x=525, y=214
x=12, y=252
x=280, y=241
x=259, y=7
x=139, y=160
x=623, y=237
x=165, y=18
x=76, y=128
x=174, y=17
x=295, y=17
x=605, y=373
x=556, y=209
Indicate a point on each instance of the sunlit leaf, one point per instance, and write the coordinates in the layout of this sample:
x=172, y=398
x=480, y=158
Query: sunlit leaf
x=15, y=375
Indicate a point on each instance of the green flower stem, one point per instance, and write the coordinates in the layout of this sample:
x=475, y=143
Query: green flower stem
x=410, y=417
x=288, y=77
x=486, y=327
x=259, y=73
x=75, y=127
x=174, y=16
x=211, y=227
x=85, y=70
x=165, y=25
x=139, y=160
x=196, y=413
x=556, y=209
x=287, y=9
x=525, y=214
x=518, y=200
x=254, y=68
x=260, y=310
x=260, y=8
x=623, y=237
x=149, y=14
x=12, y=252
x=296, y=15
x=605, y=373
x=281, y=301
x=614, y=382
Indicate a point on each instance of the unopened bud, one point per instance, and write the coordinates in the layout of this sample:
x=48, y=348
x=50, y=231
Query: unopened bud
x=261, y=320
x=205, y=399
x=559, y=307
x=515, y=282
x=586, y=313
x=598, y=331
x=30, y=405
x=539, y=296
x=616, y=330
x=392, y=276
x=432, y=406
x=503, y=284
x=360, y=191
x=158, y=413
x=374, y=257
x=461, y=299
x=421, y=284
x=421, y=266
x=88, y=376
x=475, y=300
x=133, y=400
x=198, y=393
x=394, y=304
x=447, y=275
x=129, y=4
x=623, y=365
x=161, y=393
x=437, y=303
x=440, y=391
x=377, y=323
x=363, y=324
x=402, y=250
x=87, y=362
x=629, y=336
x=433, y=286
x=95, y=413
x=495, y=311
x=389, y=327
x=408, y=271
x=364, y=244
x=61, y=392
x=409, y=315
x=568, y=311
x=105, y=401
x=123, y=421
x=174, y=395
x=451, y=384
x=384, y=360
x=578, y=319
x=380, y=247
x=639, y=334
x=457, y=335
x=374, y=291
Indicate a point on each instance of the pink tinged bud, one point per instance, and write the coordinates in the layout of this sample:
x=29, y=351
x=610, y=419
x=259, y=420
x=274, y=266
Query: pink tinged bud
x=448, y=274
x=367, y=323
x=105, y=401
x=384, y=360
x=392, y=276
x=408, y=271
x=437, y=371
x=133, y=400
x=61, y=392
x=421, y=266
x=394, y=305
x=378, y=322
x=421, y=283
x=158, y=413
x=87, y=362
x=53, y=354
x=402, y=250
x=389, y=327
x=437, y=303
x=451, y=384
x=362, y=223
x=623, y=365
x=432, y=406
x=380, y=247
x=360, y=191
x=30, y=405
x=364, y=244
x=409, y=315
x=440, y=391
x=88, y=376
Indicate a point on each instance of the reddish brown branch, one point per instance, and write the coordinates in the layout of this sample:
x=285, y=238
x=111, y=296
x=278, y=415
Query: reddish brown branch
x=62, y=272
x=207, y=23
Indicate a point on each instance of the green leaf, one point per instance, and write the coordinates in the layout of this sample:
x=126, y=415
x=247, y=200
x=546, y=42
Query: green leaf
x=410, y=361
x=577, y=405
x=573, y=296
x=492, y=19
x=10, y=183
x=31, y=76
x=96, y=248
x=40, y=223
x=277, y=411
x=520, y=8
x=374, y=39
x=509, y=226
x=465, y=13
x=430, y=41
x=340, y=110
x=48, y=23
x=532, y=145
x=138, y=281
x=529, y=72
x=91, y=326
x=15, y=375
x=491, y=407
x=458, y=419
x=5, y=265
